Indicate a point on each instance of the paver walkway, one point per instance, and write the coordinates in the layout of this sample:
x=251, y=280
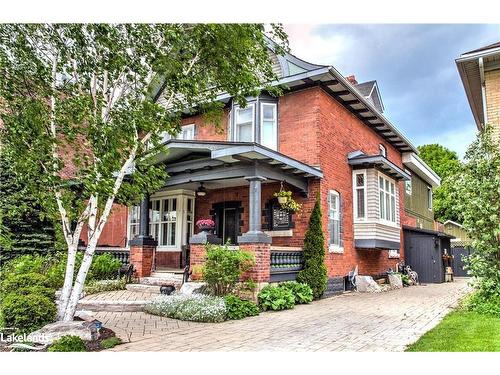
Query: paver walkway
x=350, y=322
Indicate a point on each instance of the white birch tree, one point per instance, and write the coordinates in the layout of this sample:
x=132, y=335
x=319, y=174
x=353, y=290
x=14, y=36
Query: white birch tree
x=83, y=107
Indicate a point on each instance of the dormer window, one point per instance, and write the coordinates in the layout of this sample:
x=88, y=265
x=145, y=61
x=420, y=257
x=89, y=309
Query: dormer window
x=244, y=124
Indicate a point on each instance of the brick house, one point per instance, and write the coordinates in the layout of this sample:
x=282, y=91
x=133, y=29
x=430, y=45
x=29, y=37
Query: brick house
x=325, y=136
x=480, y=73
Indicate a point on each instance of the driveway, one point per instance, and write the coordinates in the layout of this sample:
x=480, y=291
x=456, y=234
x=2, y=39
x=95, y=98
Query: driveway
x=350, y=322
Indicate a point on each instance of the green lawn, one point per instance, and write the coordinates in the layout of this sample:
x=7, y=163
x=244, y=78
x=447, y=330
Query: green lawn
x=461, y=331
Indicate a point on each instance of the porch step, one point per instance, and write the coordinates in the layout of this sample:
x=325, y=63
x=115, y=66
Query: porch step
x=143, y=288
x=160, y=278
x=112, y=305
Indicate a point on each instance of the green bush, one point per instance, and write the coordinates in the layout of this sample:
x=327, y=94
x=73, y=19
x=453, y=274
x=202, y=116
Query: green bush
x=68, y=344
x=302, y=293
x=13, y=281
x=195, y=307
x=98, y=286
x=24, y=264
x=275, y=298
x=238, y=308
x=27, y=312
x=223, y=268
x=104, y=267
x=483, y=304
x=314, y=272
x=110, y=342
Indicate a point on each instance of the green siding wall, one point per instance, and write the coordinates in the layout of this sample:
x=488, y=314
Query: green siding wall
x=416, y=203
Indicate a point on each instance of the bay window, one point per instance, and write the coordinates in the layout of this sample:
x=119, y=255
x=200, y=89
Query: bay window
x=359, y=187
x=269, y=125
x=244, y=124
x=387, y=199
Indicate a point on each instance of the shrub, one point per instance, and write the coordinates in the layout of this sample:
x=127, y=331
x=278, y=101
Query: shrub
x=24, y=264
x=68, y=344
x=314, y=272
x=104, y=266
x=110, y=342
x=223, y=268
x=13, y=281
x=302, y=293
x=195, y=307
x=27, y=312
x=482, y=304
x=98, y=286
x=275, y=298
x=238, y=308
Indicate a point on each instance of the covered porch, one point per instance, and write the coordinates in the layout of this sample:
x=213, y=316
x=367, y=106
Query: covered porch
x=231, y=183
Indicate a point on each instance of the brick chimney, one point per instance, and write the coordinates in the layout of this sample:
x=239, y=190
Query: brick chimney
x=352, y=79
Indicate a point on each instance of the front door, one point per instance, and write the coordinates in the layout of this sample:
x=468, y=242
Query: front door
x=227, y=221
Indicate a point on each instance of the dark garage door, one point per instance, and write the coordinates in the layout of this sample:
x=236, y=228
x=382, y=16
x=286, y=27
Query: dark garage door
x=458, y=261
x=423, y=254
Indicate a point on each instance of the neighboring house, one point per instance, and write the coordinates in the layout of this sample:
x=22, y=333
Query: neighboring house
x=480, y=73
x=325, y=136
x=457, y=230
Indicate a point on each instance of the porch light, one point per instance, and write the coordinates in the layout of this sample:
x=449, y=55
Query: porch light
x=201, y=191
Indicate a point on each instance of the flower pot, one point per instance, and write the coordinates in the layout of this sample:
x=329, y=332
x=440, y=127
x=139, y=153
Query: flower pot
x=282, y=200
x=206, y=228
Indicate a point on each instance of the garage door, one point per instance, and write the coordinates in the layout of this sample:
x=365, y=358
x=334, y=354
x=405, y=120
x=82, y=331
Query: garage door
x=423, y=254
x=458, y=260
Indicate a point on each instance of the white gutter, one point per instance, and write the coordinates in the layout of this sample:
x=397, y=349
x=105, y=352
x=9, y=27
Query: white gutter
x=483, y=90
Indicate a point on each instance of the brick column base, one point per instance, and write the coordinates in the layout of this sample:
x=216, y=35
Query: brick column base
x=260, y=273
x=197, y=257
x=141, y=257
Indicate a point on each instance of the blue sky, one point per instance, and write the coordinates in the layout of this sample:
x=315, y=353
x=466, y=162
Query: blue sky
x=414, y=66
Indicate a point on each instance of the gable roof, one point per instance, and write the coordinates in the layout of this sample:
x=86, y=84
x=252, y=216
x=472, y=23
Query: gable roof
x=370, y=91
x=471, y=67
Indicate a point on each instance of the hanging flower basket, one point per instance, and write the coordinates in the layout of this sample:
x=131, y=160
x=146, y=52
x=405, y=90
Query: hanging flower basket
x=205, y=224
x=286, y=201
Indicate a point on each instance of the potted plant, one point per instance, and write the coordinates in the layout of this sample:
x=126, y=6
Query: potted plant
x=286, y=201
x=205, y=224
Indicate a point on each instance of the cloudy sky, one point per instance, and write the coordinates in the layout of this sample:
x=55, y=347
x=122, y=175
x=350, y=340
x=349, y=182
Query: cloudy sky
x=414, y=67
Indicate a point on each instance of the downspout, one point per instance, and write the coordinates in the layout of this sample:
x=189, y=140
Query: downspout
x=483, y=91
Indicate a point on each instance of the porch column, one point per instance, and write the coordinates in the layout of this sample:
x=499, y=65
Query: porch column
x=255, y=241
x=143, y=246
x=254, y=234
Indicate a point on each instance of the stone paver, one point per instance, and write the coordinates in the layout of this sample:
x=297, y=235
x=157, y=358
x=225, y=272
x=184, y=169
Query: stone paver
x=351, y=322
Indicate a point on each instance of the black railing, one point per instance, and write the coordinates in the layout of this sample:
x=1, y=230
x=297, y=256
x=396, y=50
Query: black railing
x=121, y=254
x=285, y=264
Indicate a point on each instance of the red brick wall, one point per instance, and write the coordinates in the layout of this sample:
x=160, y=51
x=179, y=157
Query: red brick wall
x=171, y=259
x=205, y=131
x=114, y=232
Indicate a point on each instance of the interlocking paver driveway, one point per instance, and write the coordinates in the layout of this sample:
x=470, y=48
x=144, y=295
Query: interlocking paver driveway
x=351, y=322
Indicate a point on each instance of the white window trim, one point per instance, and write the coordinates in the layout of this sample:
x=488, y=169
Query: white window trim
x=235, y=125
x=261, y=125
x=181, y=219
x=394, y=254
x=396, y=201
x=334, y=248
x=408, y=183
x=354, y=196
x=382, y=150
x=429, y=198
x=185, y=127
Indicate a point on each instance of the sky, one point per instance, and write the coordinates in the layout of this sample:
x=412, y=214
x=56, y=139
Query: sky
x=414, y=65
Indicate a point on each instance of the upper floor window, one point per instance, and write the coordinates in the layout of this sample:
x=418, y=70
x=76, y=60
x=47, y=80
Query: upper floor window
x=334, y=220
x=382, y=150
x=408, y=187
x=269, y=125
x=186, y=133
x=359, y=186
x=387, y=199
x=244, y=124
x=429, y=198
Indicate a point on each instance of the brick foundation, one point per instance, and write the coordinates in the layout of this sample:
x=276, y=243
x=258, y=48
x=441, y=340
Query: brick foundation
x=261, y=270
x=197, y=258
x=141, y=256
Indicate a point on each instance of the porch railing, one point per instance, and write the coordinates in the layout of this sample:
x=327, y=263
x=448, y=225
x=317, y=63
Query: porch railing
x=285, y=265
x=123, y=255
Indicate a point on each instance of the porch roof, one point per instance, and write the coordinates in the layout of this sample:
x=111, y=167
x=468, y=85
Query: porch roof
x=361, y=160
x=201, y=161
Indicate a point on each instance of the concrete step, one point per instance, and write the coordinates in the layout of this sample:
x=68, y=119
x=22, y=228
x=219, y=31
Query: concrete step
x=163, y=279
x=143, y=288
x=112, y=305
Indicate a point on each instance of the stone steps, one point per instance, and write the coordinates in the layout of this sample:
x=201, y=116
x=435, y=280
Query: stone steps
x=112, y=305
x=143, y=288
x=162, y=278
